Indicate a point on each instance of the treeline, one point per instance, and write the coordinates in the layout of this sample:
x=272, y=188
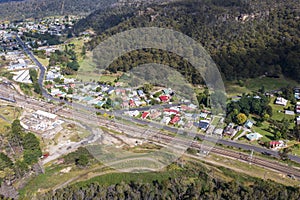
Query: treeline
x=188, y=184
x=249, y=104
x=245, y=39
x=34, y=78
x=20, y=10
x=51, y=39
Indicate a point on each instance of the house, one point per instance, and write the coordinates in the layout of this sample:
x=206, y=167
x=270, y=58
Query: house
x=276, y=144
x=297, y=93
x=203, y=124
x=134, y=113
x=141, y=93
x=218, y=132
x=140, y=103
x=289, y=112
x=298, y=120
x=175, y=119
x=229, y=130
x=167, y=91
x=298, y=108
x=166, y=120
x=253, y=136
x=145, y=115
x=131, y=103
x=281, y=101
x=203, y=115
x=100, y=103
x=155, y=114
x=164, y=98
x=193, y=106
x=110, y=90
x=248, y=124
x=171, y=112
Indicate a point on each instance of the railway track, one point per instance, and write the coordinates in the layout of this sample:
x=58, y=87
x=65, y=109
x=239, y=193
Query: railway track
x=156, y=136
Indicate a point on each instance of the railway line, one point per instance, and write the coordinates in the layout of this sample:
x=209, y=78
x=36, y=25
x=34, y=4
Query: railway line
x=150, y=134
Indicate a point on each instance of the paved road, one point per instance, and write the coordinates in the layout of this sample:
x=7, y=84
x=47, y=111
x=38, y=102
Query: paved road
x=143, y=122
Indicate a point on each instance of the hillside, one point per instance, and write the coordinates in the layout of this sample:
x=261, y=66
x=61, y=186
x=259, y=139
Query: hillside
x=246, y=39
x=17, y=10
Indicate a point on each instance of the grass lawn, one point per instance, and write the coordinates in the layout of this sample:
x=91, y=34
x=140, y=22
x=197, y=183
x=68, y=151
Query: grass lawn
x=278, y=111
x=88, y=72
x=295, y=146
x=262, y=130
x=78, y=44
x=45, y=62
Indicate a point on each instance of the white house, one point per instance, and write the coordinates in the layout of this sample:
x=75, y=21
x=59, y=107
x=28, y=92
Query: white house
x=281, y=101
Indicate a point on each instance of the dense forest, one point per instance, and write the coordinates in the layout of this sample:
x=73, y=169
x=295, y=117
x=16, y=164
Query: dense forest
x=20, y=152
x=245, y=38
x=194, y=183
x=18, y=10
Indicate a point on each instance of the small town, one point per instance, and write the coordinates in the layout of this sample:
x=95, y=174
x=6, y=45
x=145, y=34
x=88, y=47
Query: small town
x=153, y=123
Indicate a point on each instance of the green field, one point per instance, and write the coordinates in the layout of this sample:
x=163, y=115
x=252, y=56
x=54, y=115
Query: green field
x=233, y=88
x=115, y=178
x=44, y=62
x=278, y=110
x=88, y=72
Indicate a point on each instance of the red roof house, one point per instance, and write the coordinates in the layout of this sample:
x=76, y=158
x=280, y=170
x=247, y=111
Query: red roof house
x=171, y=111
x=164, y=98
x=145, y=115
x=131, y=103
x=175, y=119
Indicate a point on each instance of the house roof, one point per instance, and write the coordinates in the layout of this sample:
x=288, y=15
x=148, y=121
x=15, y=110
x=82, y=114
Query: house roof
x=281, y=101
x=203, y=124
x=274, y=143
x=175, y=119
x=145, y=115
x=289, y=112
x=140, y=92
x=164, y=98
x=249, y=123
x=253, y=136
x=171, y=111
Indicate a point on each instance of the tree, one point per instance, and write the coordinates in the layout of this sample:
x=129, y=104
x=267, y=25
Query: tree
x=20, y=167
x=147, y=87
x=277, y=135
x=241, y=118
x=16, y=132
x=284, y=153
x=82, y=160
x=5, y=161
x=296, y=133
x=73, y=65
x=32, y=150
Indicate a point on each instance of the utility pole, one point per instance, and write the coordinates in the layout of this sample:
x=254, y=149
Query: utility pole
x=251, y=156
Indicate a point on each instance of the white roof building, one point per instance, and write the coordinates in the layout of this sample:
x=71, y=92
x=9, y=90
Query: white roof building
x=281, y=101
x=44, y=114
x=22, y=76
